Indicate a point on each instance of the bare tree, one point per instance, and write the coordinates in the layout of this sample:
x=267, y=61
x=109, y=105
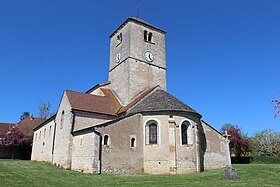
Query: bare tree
x=44, y=110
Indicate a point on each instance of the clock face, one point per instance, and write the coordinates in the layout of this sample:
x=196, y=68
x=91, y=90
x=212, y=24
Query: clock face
x=149, y=56
x=118, y=58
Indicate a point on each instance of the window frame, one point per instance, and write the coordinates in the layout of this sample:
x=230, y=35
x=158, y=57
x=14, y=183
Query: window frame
x=106, y=139
x=147, y=132
x=189, y=131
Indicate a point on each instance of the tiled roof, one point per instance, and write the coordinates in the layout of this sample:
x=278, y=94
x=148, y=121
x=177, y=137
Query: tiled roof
x=136, y=100
x=107, y=104
x=26, y=125
x=44, y=122
x=4, y=127
x=159, y=100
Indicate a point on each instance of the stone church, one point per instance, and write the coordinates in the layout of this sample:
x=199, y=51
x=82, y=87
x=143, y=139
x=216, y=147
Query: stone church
x=130, y=124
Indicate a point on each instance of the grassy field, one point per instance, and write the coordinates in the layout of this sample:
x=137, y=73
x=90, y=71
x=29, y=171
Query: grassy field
x=27, y=173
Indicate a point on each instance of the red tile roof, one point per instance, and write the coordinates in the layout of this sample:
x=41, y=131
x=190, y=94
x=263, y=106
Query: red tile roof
x=26, y=125
x=4, y=127
x=107, y=104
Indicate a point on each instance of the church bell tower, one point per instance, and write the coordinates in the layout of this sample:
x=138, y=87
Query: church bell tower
x=137, y=59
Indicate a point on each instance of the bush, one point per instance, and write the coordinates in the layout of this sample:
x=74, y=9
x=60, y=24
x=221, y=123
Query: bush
x=241, y=159
x=266, y=160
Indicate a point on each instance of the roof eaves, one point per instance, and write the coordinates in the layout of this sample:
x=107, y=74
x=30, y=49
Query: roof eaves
x=136, y=20
x=97, y=86
x=93, y=112
x=212, y=127
x=45, y=122
x=135, y=101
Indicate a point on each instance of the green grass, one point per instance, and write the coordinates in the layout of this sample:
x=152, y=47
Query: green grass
x=28, y=173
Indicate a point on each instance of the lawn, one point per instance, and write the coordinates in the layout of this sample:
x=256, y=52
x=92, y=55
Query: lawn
x=28, y=173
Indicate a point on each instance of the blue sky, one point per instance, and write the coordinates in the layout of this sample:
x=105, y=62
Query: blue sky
x=222, y=56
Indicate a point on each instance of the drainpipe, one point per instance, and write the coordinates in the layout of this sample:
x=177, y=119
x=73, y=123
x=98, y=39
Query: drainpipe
x=99, y=164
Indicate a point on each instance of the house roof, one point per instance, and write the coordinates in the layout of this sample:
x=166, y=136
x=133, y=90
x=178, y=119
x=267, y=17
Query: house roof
x=44, y=122
x=4, y=127
x=160, y=100
x=27, y=124
x=107, y=104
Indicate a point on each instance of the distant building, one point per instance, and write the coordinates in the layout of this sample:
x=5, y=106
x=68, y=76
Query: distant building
x=26, y=125
x=4, y=128
x=130, y=124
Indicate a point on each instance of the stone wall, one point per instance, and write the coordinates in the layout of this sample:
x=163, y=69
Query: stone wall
x=63, y=139
x=85, y=153
x=215, y=155
x=84, y=120
x=43, y=142
x=169, y=156
x=118, y=156
x=133, y=74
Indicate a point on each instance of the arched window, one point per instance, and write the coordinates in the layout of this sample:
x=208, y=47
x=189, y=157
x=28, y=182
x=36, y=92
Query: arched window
x=44, y=132
x=50, y=130
x=186, y=133
x=106, y=139
x=152, y=133
x=132, y=142
x=145, y=35
x=61, y=119
x=119, y=37
x=150, y=36
x=81, y=141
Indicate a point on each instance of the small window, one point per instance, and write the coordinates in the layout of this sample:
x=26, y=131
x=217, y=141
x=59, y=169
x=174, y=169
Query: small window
x=207, y=145
x=50, y=130
x=145, y=35
x=132, y=142
x=150, y=36
x=186, y=133
x=106, y=139
x=222, y=146
x=45, y=132
x=119, y=37
x=81, y=141
x=40, y=135
x=62, y=119
x=35, y=136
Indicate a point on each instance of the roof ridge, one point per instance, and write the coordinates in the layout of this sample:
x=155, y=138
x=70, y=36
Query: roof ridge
x=107, y=104
x=141, y=99
x=137, y=99
x=160, y=100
